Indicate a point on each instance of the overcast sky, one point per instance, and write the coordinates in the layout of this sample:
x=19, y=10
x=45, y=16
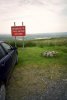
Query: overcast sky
x=39, y=16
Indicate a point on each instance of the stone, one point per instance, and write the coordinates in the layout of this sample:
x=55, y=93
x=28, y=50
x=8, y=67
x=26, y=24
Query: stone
x=49, y=53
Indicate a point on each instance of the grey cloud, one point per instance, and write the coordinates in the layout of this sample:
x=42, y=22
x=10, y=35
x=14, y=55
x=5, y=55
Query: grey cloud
x=57, y=6
x=64, y=8
x=31, y=2
x=7, y=6
x=64, y=11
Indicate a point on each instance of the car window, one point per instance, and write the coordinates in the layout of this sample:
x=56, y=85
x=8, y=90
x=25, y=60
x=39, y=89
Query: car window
x=2, y=52
x=6, y=47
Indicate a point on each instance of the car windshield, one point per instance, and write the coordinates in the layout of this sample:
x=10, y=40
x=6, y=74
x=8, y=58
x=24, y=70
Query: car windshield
x=6, y=47
x=2, y=53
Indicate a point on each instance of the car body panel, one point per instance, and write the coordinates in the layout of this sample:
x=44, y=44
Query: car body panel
x=7, y=63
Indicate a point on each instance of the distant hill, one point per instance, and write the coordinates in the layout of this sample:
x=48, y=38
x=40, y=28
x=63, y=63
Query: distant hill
x=35, y=36
x=4, y=37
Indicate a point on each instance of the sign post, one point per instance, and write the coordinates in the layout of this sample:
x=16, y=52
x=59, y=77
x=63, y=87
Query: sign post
x=23, y=38
x=18, y=31
x=15, y=36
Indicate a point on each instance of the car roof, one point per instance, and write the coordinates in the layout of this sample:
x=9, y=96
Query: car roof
x=1, y=41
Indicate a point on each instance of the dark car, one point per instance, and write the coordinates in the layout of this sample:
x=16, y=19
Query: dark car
x=8, y=59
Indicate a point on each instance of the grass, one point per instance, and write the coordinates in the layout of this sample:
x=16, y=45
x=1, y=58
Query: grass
x=32, y=55
x=41, y=43
x=33, y=72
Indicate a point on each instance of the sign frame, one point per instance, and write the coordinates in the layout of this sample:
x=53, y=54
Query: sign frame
x=18, y=30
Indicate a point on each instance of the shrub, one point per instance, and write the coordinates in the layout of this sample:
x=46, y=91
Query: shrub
x=30, y=44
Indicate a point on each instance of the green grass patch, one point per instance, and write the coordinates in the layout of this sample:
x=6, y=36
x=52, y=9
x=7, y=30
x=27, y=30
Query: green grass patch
x=32, y=55
x=40, y=43
x=31, y=58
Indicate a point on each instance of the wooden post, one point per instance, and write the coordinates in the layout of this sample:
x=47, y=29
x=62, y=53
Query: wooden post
x=15, y=36
x=23, y=38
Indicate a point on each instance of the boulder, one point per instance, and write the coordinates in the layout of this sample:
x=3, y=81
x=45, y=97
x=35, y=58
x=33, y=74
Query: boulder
x=49, y=53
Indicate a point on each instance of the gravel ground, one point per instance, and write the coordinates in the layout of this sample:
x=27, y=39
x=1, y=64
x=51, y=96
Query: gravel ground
x=56, y=90
x=37, y=84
